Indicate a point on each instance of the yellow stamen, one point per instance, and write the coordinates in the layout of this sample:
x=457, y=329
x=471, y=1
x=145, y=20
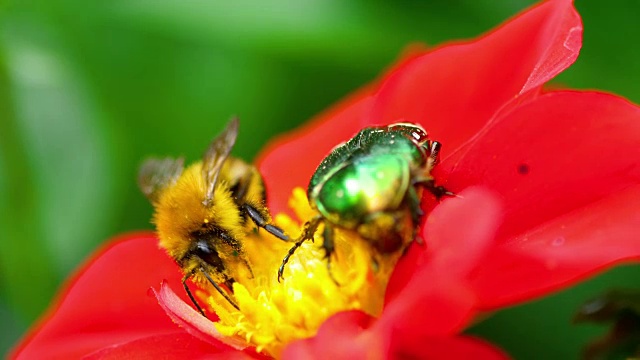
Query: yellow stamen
x=273, y=314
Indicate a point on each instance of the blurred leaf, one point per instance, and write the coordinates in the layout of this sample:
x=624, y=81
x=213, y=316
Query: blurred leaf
x=609, y=306
x=543, y=329
x=10, y=328
x=621, y=309
x=67, y=177
x=22, y=259
x=359, y=34
x=282, y=28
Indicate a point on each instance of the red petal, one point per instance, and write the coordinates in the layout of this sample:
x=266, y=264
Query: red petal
x=291, y=159
x=457, y=233
x=178, y=345
x=342, y=336
x=460, y=230
x=193, y=322
x=437, y=300
x=106, y=302
x=554, y=155
x=350, y=335
x=567, y=166
x=450, y=348
x=457, y=89
x=562, y=252
x=432, y=304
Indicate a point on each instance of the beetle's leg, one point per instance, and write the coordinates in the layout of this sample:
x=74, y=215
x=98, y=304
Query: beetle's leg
x=434, y=155
x=259, y=220
x=329, y=247
x=429, y=183
x=414, y=205
x=437, y=190
x=285, y=260
x=426, y=179
x=416, y=212
x=309, y=230
x=193, y=299
x=217, y=287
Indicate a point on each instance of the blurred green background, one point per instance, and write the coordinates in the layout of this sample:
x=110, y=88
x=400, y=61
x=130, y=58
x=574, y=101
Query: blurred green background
x=89, y=88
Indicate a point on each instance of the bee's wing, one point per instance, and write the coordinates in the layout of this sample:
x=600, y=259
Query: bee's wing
x=215, y=156
x=156, y=174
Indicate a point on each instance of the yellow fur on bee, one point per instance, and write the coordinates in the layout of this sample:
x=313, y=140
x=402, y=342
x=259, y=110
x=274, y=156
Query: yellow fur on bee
x=180, y=212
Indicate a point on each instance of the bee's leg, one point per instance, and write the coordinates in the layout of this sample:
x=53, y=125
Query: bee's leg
x=237, y=247
x=257, y=216
x=329, y=247
x=220, y=290
x=307, y=234
x=193, y=299
x=229, y=283
x=259, y=219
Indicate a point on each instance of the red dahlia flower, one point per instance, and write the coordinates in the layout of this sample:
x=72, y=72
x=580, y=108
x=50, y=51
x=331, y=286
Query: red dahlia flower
x=549, y=184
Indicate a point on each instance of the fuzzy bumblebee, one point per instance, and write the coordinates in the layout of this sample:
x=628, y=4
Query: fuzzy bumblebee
x=203, y=213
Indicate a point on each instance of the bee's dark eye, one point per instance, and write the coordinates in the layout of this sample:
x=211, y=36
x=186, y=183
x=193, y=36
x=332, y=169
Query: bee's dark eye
x=202, y=248
x=208, y=254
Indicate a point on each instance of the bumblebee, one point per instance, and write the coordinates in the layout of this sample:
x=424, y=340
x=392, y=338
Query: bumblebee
x=372, y=184
x=204, y=212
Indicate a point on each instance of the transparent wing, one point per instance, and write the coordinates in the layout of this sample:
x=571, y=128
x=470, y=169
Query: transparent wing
x=156, y=174
x=215, y=156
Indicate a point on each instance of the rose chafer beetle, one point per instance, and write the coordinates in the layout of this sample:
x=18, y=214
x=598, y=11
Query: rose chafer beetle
x=372, y=184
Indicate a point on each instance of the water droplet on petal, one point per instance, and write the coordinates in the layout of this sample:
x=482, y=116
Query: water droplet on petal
x=559, y=241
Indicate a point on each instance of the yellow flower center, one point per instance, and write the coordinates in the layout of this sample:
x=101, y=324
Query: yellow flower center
x=273, y=314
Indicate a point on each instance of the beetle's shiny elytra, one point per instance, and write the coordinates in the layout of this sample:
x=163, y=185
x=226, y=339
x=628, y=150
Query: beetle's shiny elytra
x=372, y=184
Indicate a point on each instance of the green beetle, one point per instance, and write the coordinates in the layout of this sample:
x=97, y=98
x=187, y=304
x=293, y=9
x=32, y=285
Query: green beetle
x=372, y=184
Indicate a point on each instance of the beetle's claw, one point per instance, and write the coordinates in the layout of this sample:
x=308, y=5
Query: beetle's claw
x=440, y=191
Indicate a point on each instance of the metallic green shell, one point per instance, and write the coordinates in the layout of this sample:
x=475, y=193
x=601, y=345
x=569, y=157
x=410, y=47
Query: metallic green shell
x=374, y=183
x=371, y=172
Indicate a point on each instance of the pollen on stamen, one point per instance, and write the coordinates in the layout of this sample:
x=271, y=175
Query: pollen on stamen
x=273, y=314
